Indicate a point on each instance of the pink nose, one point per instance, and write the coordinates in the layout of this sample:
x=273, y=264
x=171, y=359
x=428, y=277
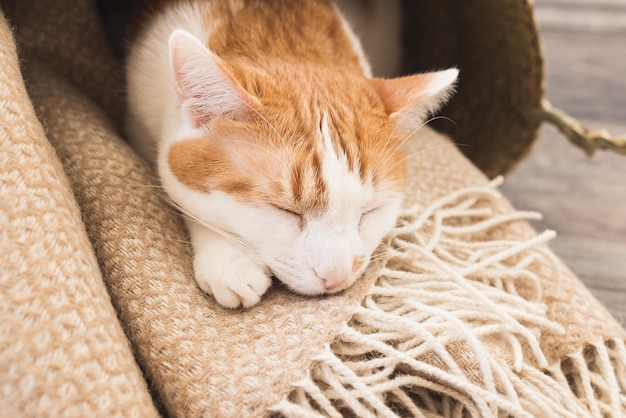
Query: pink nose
x=332, y=278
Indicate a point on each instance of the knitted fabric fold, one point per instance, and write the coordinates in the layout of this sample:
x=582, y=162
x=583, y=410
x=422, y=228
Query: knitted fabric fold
x=62, y=349
x=457, y=324
x=463, y=312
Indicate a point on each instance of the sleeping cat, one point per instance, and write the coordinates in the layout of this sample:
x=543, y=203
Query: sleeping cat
x=273, y=138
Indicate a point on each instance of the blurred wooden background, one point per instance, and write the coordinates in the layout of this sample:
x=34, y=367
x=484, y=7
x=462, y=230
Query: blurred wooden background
x=583, y=199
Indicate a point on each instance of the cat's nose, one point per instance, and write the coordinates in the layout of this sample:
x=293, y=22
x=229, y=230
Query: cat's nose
x=332, y=277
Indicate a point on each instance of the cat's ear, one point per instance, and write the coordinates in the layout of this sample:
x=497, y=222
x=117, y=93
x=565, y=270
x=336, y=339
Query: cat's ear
x=408, y=100
x=205, y=86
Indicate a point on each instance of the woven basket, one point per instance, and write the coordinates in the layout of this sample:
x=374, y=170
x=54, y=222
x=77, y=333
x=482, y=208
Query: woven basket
x=499, y=104
x=496, y=46
x=100, y=314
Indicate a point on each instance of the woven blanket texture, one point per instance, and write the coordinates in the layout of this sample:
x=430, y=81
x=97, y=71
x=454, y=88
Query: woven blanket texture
x=100, y=315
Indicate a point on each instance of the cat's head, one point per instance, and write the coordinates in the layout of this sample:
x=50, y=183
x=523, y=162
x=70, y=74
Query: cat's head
x=304, y=168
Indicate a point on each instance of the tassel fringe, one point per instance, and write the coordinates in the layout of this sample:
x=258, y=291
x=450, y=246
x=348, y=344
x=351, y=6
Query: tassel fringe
x=451, y=329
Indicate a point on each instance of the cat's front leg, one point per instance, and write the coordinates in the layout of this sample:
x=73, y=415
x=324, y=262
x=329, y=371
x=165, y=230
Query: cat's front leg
x=226, y=269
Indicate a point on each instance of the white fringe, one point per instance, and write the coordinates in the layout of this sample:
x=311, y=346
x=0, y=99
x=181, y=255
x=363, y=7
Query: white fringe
x=451, y=329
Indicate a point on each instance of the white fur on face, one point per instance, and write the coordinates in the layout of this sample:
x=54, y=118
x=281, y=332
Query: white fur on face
x=333, y=247
x=326, y=248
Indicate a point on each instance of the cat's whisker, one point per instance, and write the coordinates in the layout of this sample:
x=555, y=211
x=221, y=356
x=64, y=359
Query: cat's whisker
x=407, y=136
x=414, y=154
x=182, y=241
x=159, y=192
x=393, y=132
x=229, y=172
x=414, y=131
x=219, y=231
x=403, y=138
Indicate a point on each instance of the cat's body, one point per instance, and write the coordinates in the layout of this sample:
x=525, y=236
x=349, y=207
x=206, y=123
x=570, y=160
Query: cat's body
x=270, y=134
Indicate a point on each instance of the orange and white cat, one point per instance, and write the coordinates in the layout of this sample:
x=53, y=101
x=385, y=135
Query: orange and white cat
x=274, y=139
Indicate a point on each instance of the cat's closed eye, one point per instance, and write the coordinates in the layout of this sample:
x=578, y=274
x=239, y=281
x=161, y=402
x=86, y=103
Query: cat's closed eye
x=293, y=214
x=290, y=106
x=367, y=213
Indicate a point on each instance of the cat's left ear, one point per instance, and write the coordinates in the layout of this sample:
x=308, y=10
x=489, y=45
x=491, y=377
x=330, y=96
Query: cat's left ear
x=205, y=85
x=408, y=100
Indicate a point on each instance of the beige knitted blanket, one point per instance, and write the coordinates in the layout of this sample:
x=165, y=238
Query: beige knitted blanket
x=465, y=311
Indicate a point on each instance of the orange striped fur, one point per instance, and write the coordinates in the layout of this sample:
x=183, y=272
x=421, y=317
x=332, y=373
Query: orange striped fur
x=268, y=109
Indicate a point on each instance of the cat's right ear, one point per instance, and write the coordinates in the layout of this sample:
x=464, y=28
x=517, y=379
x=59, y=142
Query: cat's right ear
x=205, y=86
x=409, y=100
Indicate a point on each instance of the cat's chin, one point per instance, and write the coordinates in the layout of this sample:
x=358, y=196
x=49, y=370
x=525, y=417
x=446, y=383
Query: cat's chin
x=306, y=287
x=340, y=287
x=317, y=290
x=312, y=285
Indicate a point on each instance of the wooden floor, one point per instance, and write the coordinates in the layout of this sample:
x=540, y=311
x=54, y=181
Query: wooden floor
x=583, y=199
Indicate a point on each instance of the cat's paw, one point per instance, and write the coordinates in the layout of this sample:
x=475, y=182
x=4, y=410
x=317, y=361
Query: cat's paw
x=232, y=277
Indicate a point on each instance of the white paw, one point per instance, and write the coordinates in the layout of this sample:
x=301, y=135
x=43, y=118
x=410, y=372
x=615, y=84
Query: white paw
x=233, y=277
